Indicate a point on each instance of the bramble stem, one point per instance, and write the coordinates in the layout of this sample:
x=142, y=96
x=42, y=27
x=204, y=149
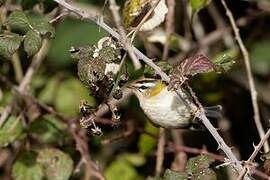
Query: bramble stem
x=200, y=114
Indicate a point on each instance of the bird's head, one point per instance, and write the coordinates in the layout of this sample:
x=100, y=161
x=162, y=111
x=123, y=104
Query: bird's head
x=147, y=87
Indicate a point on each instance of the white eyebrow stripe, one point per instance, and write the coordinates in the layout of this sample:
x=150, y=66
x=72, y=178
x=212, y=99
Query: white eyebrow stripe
x=148, y=84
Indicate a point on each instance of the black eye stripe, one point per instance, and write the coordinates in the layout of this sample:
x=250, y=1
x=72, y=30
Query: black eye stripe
x=143, y=87
x=146, y=81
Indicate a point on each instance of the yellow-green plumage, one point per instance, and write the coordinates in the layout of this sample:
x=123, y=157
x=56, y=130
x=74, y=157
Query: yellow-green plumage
x=157, y=89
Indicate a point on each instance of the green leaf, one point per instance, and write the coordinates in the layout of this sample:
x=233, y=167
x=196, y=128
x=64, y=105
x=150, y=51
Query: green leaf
x=198, y=168
x=224, y=61
x=173, y=175
x=203, y=174
x=134, y=159
x=260, y=57
x=18, y=20
x=198, y=163
x=197, y=5
x=68, y=96
x=26, y=167
x=7, y=97
x=32, y=42
x=43, y=26
x=120, y=168
x=49, y=130
x=56, y=164
x=10, y=131
x=39, y=81
x=146, y=143
x=48, y=93
x=69, y=35
x=166, y=67
x=9, y=44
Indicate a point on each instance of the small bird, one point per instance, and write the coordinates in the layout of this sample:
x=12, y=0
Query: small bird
x=164, y=107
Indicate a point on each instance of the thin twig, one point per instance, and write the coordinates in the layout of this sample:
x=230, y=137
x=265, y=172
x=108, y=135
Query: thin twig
x=172, y=147
x=148, y=14
x=180, y=157
x=253, y=91
x=130, y=129
x=72, y=125
x=27, y=79
x=17, y=67
x=117, y=19
x=169, y=24
x=213, y=131
x=196, y=26
x=200, y=114
x=220, y=23
x=104, y=108
x=181, y=148
x=61, y=15
x=107, y=28
x=253, y=155
x=160, y=151
x=118, y=76
x=82, y=147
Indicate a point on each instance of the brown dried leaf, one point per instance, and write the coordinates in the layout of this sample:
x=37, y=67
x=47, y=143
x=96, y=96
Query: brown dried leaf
x=189, y=67
x=194, y=65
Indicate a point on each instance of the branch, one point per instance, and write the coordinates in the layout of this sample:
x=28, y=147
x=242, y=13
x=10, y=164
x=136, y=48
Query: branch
x=99, y=22
x=172, y=147
x=160, y=151
x=17, y=67
x=253, y=155
x=147, y=15
x=103, y=109
x=78, y=135
x=180, y=148
x=82, y=147
x=200, y=114
x=130, y=129
x=219, y=21
x=253, y=91
x=114, y=8
x=169, y=28
x=180, y=157
x=27, y=79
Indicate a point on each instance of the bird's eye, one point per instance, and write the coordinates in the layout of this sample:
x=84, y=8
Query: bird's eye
x=143, y=87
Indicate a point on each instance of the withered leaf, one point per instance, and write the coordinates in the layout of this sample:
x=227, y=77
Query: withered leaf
x=189, y=67
x=194, y=65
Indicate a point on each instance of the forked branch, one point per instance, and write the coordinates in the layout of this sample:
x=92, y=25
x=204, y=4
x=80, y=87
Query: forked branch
x=253, y=91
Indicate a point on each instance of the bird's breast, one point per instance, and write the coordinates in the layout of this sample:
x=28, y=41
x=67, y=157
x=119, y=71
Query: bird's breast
x=166, y=110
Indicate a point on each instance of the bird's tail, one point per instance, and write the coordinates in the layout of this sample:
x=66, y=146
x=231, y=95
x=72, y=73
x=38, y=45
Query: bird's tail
x=213, y=111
